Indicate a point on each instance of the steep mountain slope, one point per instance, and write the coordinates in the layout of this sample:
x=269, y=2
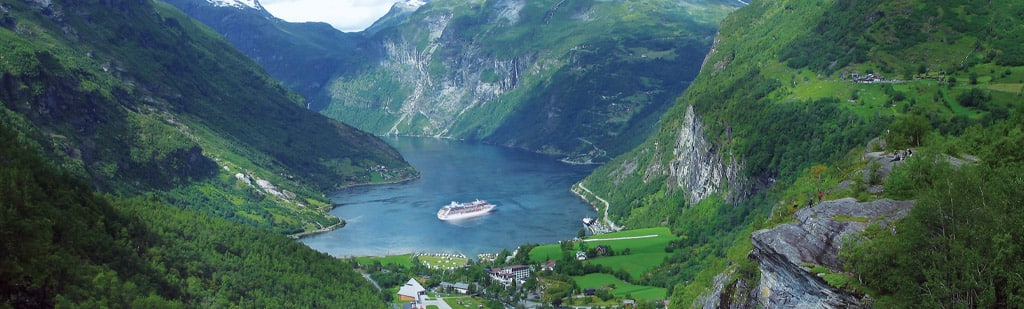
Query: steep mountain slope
x=581, y=78
x=139, y=98
x=304, y=56
x=787, y=99
x=578, y=78
x=62, y=245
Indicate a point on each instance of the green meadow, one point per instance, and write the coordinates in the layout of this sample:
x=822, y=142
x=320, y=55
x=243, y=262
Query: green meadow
x=622, y=288
x=404, y=260
x=645, y=253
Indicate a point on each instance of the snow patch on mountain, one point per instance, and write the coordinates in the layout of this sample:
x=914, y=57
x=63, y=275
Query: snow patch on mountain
x=241, y=4
x=410, y=5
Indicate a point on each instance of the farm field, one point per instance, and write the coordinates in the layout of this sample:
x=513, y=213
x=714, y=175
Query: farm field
x=622, y=288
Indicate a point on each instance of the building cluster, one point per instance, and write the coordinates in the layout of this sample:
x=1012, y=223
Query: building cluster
x=509, y=274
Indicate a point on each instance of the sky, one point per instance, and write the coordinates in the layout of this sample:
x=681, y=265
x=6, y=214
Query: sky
x=346, y=15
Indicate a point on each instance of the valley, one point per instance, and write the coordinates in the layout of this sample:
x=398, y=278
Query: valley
x=825, y=154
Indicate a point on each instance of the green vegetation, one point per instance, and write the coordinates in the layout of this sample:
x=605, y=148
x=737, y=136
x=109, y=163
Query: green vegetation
x=402, y=260
x=220, y=138
x=619, y=287
x=580, y=78
x=67, y=246
x=635, y=256
x=957, y=244
x=780, y=99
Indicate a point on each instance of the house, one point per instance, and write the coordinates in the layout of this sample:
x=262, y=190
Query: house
x=629, y=303
x=550, y=265
x=458, y=287
x=580, y=255
x=505, y=275
x=411, y=291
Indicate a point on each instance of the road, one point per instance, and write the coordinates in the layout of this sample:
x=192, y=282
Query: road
x=620, y=238
x=606, y=206
x=440, y=303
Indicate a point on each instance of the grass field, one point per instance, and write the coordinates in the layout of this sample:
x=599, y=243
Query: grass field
x=645, y=253
x=464, y=302
x=405, y=260
x=441, y=262
x=621, y=287
x=544, y=253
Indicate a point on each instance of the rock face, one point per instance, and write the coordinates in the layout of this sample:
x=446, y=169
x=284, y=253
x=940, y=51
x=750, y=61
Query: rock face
x=572, y=79
x=815, y=238
x=698, y=167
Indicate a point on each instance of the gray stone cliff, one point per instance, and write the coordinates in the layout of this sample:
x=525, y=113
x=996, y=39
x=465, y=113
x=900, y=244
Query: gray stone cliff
x=699, y=168
x=783, y=253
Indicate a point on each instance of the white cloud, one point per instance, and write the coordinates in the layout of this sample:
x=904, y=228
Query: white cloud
x=346, y=15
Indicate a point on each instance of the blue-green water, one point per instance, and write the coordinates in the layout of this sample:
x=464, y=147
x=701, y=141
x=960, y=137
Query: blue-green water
x=531, y=191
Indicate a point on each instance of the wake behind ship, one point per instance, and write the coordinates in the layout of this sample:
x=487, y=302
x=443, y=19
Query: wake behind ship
x=458, y=211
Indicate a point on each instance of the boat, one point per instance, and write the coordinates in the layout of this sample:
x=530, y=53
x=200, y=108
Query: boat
x=459, y=211
x=588, y=221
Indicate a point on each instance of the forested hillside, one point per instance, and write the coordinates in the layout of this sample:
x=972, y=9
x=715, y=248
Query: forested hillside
x=137, y=98
x=785, y=107
x=303, y=56
x=579, y=78
x=63, y=245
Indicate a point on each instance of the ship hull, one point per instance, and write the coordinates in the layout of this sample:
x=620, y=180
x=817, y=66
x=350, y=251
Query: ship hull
x=457, y=211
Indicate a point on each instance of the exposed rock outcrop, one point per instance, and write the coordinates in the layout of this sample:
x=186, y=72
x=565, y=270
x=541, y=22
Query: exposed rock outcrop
x=729, y=293
x=699, y=168
x=815, y=238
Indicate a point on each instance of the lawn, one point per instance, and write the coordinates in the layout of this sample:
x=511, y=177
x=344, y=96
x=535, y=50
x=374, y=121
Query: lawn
x=544, y=253
x=621, y=287
x=464, y=302
x=645, y=253
x=441, y=262
x=404, y=260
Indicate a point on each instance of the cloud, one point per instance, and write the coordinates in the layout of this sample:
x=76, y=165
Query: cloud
x=346, y=15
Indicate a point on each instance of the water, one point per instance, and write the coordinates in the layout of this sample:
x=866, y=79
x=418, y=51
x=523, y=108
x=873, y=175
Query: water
x=530, y=191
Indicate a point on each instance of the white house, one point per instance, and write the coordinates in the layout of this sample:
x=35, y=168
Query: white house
x=411, y=291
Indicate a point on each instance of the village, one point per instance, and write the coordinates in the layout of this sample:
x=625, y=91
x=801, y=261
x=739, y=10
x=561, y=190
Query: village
x=576, y=273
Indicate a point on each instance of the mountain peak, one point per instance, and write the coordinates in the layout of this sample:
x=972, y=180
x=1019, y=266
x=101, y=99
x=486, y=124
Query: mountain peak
x=409, y=5
x=241, y=4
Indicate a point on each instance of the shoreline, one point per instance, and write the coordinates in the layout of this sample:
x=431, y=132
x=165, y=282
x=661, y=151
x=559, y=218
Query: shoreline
x=338, y=225
x=604, y=217
x=341, y=224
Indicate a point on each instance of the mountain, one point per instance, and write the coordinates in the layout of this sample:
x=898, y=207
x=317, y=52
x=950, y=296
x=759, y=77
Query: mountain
x=139, y=99
x=581, y=79
x=802, y=104
x=63, y=245
x=304, y=56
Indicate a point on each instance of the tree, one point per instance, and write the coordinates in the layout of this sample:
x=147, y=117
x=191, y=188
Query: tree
x=908, y=131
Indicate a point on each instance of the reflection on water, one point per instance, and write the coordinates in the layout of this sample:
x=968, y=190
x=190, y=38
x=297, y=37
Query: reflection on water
x=530, y=191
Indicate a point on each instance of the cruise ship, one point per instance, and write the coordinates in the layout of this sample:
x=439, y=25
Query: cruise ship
x=458, y=211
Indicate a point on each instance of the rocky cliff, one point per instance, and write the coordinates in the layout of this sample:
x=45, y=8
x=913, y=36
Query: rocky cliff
x=700, y=169
x=583, y=79
x=799, y=262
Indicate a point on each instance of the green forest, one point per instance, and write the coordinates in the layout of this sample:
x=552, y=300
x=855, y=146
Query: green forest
x=101, y=104
x=781, y=98
x=133, y=174
x=64, y=245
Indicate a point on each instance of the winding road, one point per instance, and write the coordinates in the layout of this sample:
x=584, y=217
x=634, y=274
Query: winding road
x=606, y=206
